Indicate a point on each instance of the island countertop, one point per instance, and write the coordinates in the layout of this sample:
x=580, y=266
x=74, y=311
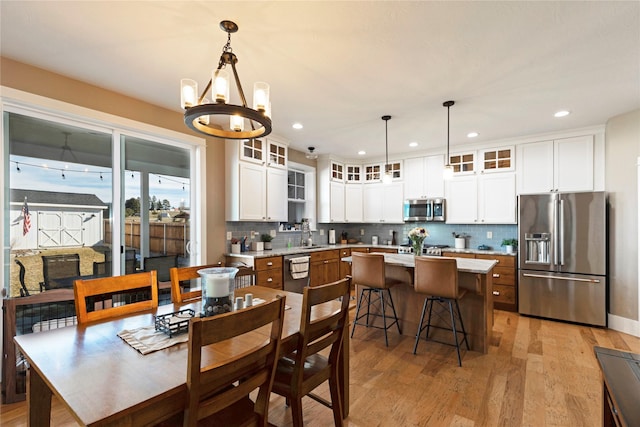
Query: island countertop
x=465, y=265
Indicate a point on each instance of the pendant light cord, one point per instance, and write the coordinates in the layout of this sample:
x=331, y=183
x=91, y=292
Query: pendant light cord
x=386, y=142
x=448, y=104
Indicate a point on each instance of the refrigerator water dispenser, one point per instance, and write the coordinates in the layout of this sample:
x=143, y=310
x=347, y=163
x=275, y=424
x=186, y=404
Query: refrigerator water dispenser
x=537, y=248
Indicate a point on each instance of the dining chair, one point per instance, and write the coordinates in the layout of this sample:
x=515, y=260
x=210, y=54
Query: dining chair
x=59, y=267
x=181, y=277
x=219, y=391
x=302, y=371
x=126, y=294
x=368, y=272
x=438, y=279
x=246, y=276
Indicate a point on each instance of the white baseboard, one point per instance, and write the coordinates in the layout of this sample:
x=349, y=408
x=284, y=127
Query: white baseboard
x=622, y=324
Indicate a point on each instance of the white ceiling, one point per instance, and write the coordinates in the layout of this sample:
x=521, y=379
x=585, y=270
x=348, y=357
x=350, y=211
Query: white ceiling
x=337, y=67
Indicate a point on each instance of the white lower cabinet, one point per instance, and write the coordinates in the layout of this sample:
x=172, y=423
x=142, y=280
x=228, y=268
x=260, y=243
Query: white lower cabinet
x=483, y=198
x=383, y=202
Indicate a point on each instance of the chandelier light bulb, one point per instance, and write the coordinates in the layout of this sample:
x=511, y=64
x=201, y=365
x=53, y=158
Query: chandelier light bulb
x=220, y=89
x=387, y=177
x=204, y=119
x=260, y=96
x=236, y=123
x=188, y=93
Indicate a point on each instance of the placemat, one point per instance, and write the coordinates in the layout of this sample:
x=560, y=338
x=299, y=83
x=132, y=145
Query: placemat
x=147, y=340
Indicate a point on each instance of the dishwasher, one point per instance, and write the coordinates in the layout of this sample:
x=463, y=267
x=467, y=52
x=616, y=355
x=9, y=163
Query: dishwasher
x=296, y=272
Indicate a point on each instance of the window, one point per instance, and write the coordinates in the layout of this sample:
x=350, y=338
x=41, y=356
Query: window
x=91, y=189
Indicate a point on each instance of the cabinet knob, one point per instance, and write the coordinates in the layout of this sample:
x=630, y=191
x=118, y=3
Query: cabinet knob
x=496, y=275
x=497, y=261
x=326, y=262
x=269, y=263
x=271, y=280
x=496, y=293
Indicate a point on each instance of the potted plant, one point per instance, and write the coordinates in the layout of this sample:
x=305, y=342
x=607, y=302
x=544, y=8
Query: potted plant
x=509, y=245
x=266, y=239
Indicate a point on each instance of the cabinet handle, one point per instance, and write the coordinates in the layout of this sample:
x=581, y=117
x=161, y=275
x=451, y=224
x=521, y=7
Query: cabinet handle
x=497, y=261
x=269, y=263
x=496, y=293
x=269, y=279
x=326, y=262
x=496, y=275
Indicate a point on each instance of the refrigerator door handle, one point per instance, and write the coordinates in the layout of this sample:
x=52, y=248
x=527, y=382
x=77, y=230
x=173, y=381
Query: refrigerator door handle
x=572, y=279
x=561, y=235
x=555, y=230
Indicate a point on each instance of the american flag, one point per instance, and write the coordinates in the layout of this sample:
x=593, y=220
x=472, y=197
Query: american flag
x=26, y=218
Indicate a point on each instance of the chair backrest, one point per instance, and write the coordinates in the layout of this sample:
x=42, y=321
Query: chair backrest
x=162, y=264
x=24, y=292
x=326, y=329
x=368, y=269
x=437, y=277
x=246, y=276
x=60, y=266
x=134, y=292
x=182, y=274
x=212, y=388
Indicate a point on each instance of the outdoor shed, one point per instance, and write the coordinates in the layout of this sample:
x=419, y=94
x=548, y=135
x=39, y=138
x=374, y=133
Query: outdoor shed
x=56, y=219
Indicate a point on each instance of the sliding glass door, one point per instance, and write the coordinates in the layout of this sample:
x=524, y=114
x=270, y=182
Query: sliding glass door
x=112, y=196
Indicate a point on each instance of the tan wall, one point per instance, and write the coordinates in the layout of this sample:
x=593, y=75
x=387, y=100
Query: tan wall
x=44, y=83
x=622, y=151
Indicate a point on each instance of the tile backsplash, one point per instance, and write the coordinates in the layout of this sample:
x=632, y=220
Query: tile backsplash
x=439, y=233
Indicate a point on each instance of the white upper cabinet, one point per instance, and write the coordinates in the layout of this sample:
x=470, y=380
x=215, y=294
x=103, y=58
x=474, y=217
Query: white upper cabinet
x=558, y=165
x=496, y=159
x=353, y=208
x=423, y=177
x=463, y=163
x=383, y=202
x=277, y=154
x=481, y=199
x=331, y=188
x=353, y=173
x=256, y=185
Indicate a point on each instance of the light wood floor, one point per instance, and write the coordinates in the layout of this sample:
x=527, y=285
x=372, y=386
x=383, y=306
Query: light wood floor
x=537, y=373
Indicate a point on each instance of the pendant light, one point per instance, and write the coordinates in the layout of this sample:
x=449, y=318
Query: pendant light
x=387, y=177
x=447, y=173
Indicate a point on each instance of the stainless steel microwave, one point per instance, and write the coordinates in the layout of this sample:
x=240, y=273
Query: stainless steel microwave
x=421, y=210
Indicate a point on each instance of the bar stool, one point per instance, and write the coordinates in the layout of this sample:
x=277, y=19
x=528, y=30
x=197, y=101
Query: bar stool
x=438, y=278
x=368, y=271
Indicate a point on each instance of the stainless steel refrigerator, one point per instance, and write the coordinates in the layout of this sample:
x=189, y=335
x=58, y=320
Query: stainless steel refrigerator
x=563, y=257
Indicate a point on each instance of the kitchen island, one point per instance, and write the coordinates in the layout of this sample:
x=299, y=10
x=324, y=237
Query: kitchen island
x=474, y=275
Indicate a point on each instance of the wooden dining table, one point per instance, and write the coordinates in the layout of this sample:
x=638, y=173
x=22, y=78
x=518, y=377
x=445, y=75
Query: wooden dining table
x=104, y=381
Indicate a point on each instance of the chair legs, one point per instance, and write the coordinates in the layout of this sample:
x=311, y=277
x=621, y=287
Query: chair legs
x=383, y=298
x=454, y=317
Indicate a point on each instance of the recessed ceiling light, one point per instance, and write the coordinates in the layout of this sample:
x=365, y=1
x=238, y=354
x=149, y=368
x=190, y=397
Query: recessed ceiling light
x=561, y=113
x=472, y=134
x=297, y=126
x=413, y=144
x=362, y=152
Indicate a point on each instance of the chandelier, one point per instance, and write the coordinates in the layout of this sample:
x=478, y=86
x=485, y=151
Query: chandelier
x=199, y=109
x=447, y=173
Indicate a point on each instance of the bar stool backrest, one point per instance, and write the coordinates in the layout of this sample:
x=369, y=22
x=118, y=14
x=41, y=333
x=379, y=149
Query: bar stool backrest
x=437, y=277
x=368, y=269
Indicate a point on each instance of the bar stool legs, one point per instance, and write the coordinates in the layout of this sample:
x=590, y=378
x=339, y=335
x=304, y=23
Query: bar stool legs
x=385, y=299
x=454, y=317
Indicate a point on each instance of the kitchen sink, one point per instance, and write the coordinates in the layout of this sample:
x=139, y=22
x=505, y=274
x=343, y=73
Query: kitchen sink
x=312, y=247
